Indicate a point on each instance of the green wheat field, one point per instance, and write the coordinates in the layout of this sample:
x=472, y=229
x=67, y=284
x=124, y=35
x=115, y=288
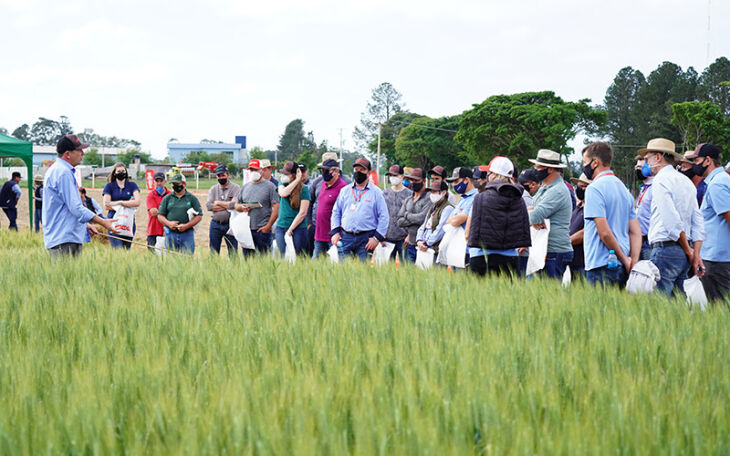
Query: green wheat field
x=128, y=353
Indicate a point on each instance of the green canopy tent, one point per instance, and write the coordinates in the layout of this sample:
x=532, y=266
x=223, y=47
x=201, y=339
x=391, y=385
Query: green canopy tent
x=13, y=147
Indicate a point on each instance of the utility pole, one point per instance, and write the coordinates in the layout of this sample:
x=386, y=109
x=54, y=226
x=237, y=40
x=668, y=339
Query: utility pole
x=377, y=172
x=709, y=12
x=341, y=160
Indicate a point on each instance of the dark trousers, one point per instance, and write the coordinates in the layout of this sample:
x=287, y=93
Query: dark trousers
x=12, y=213
x=397, y=250
x=65, y=249
x=354, y=244
x=299, y=236
x=607, y=276
x=555, y=264
x=522, y=269
x=261, y=243
x=216, y=235
x=411, y=252
x=494, y=264
x=37, y=215
x=310, y=239
x=716, y=280
x=152, y=241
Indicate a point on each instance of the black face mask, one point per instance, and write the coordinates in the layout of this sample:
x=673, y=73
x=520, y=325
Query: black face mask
x=327, y=176
x=223, y=181
x=588, y=171
x=359, y=177
x=580, y=193
x=640, y=175
x=178, y=187
x=542, y=175
x=121, y=176
x=417, y=187
x=690, y=172
x=527, y=188
x=699, y=170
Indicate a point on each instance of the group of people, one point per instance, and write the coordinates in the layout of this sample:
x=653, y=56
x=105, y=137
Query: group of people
x=595, y=226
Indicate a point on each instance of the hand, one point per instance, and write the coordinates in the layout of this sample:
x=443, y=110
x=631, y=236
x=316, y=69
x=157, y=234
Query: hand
x=91, y=229
x=220, y=206
x=539, y=226
x=173, y=225
x=626, y=261
x=690, y=256
x=299, y=175
x=153, y=212
x=520, y=250
x=405, y=243
x=335, y=238
x=288, y=233
x=242, y=208
x=108, y=224
x=266, y=229
x=372, y=243
x=182, y=227
x=699, y=266
x=422, y=246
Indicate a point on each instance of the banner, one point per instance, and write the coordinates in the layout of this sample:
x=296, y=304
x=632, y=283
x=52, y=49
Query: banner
x=149, y=177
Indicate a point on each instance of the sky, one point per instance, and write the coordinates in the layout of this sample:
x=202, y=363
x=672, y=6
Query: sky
x=152, y=71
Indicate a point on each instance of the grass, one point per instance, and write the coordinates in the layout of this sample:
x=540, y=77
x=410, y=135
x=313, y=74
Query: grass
x=134, y=354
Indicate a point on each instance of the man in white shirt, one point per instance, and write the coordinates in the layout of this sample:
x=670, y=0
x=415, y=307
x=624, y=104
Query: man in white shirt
x=676, y=227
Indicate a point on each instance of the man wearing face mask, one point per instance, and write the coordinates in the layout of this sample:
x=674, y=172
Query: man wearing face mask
x=395, y=196
x=175, y=212
x=553, y=202
x=463, y=181
x=714, y=270
x=643, y=204
x=413, y=211
x=577, y=225
x=431, y=232
x=331, y=183
x=154, y=198
x=220, y=197
x=610, y=220
x=315, y=186
x=360, y=217
x=686, y=168
x=676, y=229
x=261, y=192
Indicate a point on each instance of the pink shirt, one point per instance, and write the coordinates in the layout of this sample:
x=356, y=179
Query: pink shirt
x=325, y=202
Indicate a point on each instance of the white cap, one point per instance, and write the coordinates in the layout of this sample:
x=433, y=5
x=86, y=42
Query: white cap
x=502, y=166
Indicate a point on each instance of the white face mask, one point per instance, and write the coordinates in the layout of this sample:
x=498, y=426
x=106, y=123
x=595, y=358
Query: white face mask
x=285, y=179
x=395, y=181
x=435, y=197
x=255, y=176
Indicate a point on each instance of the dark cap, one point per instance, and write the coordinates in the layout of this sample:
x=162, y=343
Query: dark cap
x=416, y=173
x=528, y=175
x=460, y=173
x=290, y=167
x=438, y=170
x=330, y=164
x=395, y=170
x=478, y=172
x=68, y=143
x=302, y=166
x=364, y=162
x=221, y=169
x=438, y=186
x=705, y=150
x=160, y=176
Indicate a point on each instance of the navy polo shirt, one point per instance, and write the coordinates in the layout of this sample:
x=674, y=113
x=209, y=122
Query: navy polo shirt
x=119, y=194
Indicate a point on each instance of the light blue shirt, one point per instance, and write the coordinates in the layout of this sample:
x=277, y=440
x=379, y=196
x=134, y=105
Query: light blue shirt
x=477, y=252
x=674, y=208
x=716, y=246
x=606, y=197
x=643, y=207
x=361, y=210
x=64, y=216
x=463, y=206
x=432, y=235
x=16, y=189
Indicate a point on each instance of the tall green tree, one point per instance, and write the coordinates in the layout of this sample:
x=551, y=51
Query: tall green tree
x=389, y=132
x=45, y=131
x=92, y=157
x=519, y=125
x=713, y=85
x=385, y=102
x=624, y=126
x=427, y=142
x=291, y=143
x=701, y=121
x=22, y=132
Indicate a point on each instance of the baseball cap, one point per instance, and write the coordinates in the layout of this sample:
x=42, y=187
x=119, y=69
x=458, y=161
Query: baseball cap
x=68, y=143
x=438, y=186
x=479, y=173
x=527, y=175
x=395, y=170
x=329, y=163
x=177, y=178
x=502, y=166
x=265, y=163
x=221, y=169
x=364, y=162
x=416, y=173
x=159, y=175
x=255, y=163
x=460, y=173
x=705, y=150
x=290, y=167
x=439, y=170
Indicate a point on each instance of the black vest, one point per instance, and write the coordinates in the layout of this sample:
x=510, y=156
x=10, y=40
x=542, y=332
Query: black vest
x=7, y=197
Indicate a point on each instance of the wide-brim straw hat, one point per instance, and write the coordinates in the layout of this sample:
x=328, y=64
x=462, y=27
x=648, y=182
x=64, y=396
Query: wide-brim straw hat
x=662, y=146
x=549, y=158
x=582, y=178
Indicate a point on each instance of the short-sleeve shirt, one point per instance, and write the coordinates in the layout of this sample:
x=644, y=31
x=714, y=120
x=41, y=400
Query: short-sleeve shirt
x=264, y=193
x=463, y=206
x=119, y=194
x=716, y=246
x=286, y=212
x=606, y=197
x=175, y=208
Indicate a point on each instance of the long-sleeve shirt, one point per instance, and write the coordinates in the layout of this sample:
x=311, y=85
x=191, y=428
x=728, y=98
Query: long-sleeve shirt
x=674, y=208
x=412, y=214
x=64, y=216
x=553, y=202
x=218, y=193
x=432, y=235
x=643, y=207
x=358, y=210
x=394, y=200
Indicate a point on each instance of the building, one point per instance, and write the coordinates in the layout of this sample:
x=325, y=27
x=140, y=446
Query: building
x=237, y=151
x=45, y=155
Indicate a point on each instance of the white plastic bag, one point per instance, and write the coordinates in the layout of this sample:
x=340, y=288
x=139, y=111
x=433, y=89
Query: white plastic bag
x=538, y=251
x=424, y=259
x=125, y=220
x=191, y=214
x=240, y=228
x=382, y=254
x=334, y=254
x=160, y=244
x=643, y=278
x=452, y=249
x=695, y=293
x=289, y=253
x=567, y=277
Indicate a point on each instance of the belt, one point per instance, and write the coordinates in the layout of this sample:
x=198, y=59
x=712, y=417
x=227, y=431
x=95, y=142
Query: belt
x=645, y=238
x=220, y=223
x=659, y=244
x=358, y=233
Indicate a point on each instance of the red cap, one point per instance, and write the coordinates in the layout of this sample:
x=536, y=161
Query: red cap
x=364, y=162
x=255, y=163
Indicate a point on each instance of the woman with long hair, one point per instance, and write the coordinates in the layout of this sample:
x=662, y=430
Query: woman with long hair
x=293, y=207
x=120, y=191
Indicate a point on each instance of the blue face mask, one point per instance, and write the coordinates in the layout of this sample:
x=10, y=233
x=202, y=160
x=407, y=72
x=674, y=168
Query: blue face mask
x=646, y=169
x=406, y=183
x=461, y=187
x=160, y=190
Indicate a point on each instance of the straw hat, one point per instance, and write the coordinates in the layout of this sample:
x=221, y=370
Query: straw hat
x=546, y=157
x=582, y=178
x=662, y=146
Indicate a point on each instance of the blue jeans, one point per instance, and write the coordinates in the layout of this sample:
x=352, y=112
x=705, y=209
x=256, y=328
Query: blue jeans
x=12, y=213
x=522, y=266
x=181, y=242
x=299, y=236
x=397, y=250
x=555, y=264
x=310, y=239
x=645, y=250
x=354, y=244
x=37, y=215
x=216, y=235
x=321, y=248
x=411, y=252
x=261, y=242
x=673, y=267
x=607, y=276
x=127, y=244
